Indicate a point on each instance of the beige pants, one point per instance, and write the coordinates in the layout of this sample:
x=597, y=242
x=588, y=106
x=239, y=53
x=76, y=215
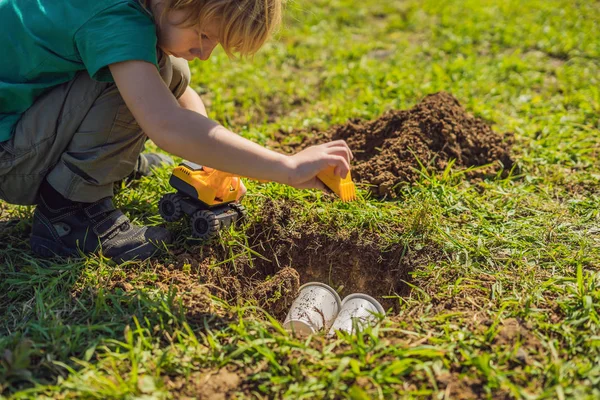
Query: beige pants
x=80, y=136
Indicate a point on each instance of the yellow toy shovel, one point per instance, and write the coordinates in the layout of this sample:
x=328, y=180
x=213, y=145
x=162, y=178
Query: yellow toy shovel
x=343, y=187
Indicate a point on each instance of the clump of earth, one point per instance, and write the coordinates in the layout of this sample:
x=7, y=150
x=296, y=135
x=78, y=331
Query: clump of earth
x=437, y=130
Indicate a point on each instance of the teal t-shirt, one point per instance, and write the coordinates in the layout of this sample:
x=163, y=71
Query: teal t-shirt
x=44, y=43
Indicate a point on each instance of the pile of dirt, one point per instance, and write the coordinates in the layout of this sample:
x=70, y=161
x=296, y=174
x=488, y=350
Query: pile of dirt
x=437, y=130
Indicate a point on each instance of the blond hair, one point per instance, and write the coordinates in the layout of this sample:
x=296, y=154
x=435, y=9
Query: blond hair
x=245, y=25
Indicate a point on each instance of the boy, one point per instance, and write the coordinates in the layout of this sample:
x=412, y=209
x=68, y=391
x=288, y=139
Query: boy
x=85, y=82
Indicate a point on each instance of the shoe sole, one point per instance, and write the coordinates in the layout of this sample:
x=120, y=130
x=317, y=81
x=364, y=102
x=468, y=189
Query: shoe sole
x=48, y=248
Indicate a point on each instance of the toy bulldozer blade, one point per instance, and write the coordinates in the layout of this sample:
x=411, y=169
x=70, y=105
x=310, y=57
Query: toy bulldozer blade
x=343, y=187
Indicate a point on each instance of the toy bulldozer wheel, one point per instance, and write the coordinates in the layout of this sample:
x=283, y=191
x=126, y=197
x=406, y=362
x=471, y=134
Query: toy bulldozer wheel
x=169, y=207
x=205, y=225
x=241, y=211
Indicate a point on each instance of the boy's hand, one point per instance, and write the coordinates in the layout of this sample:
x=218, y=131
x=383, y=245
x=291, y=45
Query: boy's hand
x=241, y=191
x=306, y=164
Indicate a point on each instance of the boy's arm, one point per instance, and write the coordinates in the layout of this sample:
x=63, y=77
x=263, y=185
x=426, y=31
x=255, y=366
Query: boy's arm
x=194, y=137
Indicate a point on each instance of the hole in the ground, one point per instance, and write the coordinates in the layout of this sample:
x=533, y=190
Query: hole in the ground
x=285, y=255
x=291, y=254
x=350, y=262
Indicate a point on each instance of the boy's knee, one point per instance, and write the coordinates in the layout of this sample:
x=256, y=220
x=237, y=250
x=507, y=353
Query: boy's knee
x=175, y=73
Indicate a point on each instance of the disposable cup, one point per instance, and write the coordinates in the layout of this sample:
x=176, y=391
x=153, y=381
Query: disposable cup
x=314, y=309
x=357, y=307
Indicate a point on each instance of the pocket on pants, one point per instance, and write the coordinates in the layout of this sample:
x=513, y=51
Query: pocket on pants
x=8, y=157
x=20, y=189
x=7, y=153
x=15, y=150
x=125, y=119
x=22, y=173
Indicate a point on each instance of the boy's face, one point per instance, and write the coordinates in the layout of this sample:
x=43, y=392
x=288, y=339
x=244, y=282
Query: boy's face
x=189, y=43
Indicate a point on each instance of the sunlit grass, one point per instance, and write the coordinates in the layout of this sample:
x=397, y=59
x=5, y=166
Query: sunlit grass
x=511, y=307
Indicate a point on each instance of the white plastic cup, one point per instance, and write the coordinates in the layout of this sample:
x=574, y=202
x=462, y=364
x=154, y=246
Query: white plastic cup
x=357, y=307
x=314, y=309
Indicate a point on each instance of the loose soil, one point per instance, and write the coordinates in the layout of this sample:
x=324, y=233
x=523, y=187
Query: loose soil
x=218, y=385
x=437, y=130
x=349, y=261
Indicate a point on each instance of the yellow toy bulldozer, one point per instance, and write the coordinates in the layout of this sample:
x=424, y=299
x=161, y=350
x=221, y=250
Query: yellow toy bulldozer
x=208, y=196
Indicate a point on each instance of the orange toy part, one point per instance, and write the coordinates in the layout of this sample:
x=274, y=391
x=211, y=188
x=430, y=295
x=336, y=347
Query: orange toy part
x=213, y=186
x=224, y=183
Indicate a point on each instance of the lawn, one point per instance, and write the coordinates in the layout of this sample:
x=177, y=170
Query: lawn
x=496, y=279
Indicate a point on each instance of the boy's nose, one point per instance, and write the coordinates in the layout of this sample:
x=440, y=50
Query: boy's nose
x=204, y=53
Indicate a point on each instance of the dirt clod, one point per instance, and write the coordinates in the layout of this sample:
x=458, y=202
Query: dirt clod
x=207, y=385
x=388, y=150
x=278, y=293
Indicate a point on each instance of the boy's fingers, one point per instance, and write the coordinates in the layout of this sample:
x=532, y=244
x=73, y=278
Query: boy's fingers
x=341, y=144
x=241, y=192
x=338, y=143
x=340, y=151
x=340, y=164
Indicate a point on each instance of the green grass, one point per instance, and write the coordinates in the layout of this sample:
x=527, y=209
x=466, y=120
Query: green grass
x=508, y=307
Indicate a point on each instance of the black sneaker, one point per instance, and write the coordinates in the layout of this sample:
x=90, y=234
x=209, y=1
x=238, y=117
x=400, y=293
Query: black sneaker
x=146, y=162
x=89, y=227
